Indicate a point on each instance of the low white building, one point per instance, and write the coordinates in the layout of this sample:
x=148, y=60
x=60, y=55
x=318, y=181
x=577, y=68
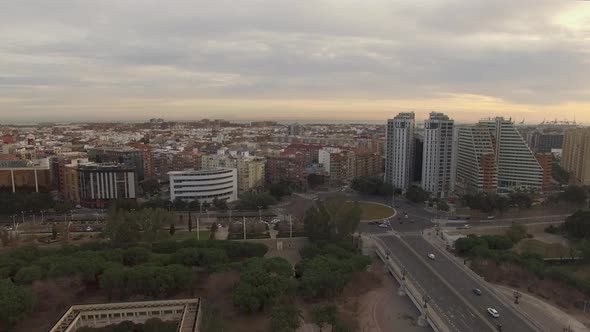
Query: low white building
x=204, y=185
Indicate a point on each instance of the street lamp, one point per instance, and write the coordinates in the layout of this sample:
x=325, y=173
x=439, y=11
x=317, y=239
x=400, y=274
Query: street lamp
x=42, y=216
x=22, y=213
x=260, y=212
x=34, y=217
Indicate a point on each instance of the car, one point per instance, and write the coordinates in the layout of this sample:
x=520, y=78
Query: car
x=493, y=312
x=491, y=217
x=384, y=225
x=476, y=291
x=89, y=229
x=431, y=256
x=466, y=226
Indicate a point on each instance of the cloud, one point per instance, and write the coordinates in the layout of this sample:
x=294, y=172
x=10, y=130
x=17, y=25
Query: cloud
x=530, y=53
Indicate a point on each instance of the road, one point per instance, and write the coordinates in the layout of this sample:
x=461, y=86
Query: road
x=464, y=282
x=450, y=306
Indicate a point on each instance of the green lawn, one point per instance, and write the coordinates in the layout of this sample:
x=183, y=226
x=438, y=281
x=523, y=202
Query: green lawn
x=372, y=211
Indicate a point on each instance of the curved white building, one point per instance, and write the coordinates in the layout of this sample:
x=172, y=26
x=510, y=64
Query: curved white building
x=204, y=185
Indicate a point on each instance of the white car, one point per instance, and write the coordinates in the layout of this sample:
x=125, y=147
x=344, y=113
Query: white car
x=431, y=256
x=493, y=312
x=383, y=225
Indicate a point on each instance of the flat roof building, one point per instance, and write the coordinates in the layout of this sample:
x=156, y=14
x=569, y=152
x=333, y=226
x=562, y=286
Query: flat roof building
x=204, y=185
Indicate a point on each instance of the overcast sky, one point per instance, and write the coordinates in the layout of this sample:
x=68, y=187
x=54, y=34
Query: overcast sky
x=355, y=60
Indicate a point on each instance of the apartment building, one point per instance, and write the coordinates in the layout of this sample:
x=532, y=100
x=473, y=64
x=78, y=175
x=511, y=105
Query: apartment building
x=400, y=150
x=576, y=155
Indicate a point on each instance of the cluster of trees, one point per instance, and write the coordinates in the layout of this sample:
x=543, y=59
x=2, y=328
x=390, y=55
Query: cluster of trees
x=150, y=325
x=332, y=219
x=327, y=267
x=129, y=226
x=155, y=270
x=474, y=245
x=14, y=203
x=262, y=283
x=490, y=202
x=251, y=201
x=574, y=194
x=327, y=313
x=496, y=248
x=417, y=194
x=372, y=185
x=577, y=226
x=15, y=303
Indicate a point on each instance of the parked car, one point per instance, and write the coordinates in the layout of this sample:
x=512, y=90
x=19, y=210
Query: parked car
x=466, y=226
x=493, y=312
x=431, y=256
x=384, y=225
x=476, y=291
x=89, y=229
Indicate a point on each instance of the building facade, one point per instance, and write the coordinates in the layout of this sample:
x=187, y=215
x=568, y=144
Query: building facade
x=123, y=155
x=437, y=154
x=368, y=163
x=400, y=150
x=517, y=166
x=101, y=182
x=576, y=155
x=25, y=175
x=286, y=167
x=204, y=185
x=474, y=160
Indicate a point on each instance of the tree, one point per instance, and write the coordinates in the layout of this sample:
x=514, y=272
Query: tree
x=190, y=221
x=53, y=232
x=220, y=204
x=251, y=201
x=326, y=313
x=179, y=204
x=150, y=186
x=334, y=218
x=194, y=205
x=516, y=233
x=280, y=189
x=151, y=221
x=442, y=205
x=372, y=185
x=262, y=282
x=172, y=229
x=15, y=303
x=577, y=225
x=520, y=199
x=122, y=227
x=575, y=194
x=417, y=195
x=63, y=207
x=285, y=318
x=28, y=274
x=314, y=180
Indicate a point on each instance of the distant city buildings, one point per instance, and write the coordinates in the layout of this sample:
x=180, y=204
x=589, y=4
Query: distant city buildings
x=576, y=155
x=295, y=129
x=437, y=154
x=204, y=185
x=400, y=150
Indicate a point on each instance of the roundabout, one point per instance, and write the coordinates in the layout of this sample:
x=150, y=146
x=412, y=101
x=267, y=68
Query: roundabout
x=374, y=211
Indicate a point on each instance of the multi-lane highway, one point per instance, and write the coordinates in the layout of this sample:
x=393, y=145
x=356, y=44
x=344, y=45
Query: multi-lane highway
x=463, y=283
x=458, y=316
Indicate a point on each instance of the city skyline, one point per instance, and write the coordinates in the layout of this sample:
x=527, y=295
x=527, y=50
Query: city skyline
x=286, y=61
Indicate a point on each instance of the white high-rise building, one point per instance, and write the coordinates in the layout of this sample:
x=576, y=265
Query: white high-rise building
x=204, y=185
x=517, y=166
x=437, y=154
x=399, y=150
